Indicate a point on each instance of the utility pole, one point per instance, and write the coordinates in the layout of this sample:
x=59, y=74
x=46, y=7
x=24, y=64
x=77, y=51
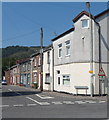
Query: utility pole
x=91, y=49
x=41, y=58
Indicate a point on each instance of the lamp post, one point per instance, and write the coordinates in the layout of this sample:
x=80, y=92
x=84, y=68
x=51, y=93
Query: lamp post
x=91, y=50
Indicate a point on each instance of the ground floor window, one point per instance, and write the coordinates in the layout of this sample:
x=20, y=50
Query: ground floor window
x=35, y=75
x=28, y=78
x=66, y=79
x=59, y=80
x=47, y=78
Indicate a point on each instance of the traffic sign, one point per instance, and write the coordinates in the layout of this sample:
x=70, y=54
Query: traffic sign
x=101, y=72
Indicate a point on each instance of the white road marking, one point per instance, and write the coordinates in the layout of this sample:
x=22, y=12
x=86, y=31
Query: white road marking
x=44, y=103
x=57, y=103
x=4, y=105
x=9, y=89
x=80, y=102
x=31, y=104
x=44, y=97
x=40, y=103
x=102, y=101
x=89, y=101
x=18, y=105
x=68, y=102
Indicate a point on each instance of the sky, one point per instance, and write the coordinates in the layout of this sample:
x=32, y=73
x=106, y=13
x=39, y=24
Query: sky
x=21, y=21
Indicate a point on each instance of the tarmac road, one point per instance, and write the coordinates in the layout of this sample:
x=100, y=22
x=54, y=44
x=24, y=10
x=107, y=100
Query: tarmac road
x=21, y=102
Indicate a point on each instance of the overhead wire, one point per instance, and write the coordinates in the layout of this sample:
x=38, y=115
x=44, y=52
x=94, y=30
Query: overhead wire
x=19, y=36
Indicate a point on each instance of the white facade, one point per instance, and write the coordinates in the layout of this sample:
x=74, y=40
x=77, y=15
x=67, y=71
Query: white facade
x=73, y=70
x=48, y=69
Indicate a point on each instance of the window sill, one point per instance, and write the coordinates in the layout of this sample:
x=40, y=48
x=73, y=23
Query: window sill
x=47, y=83
x=59, y=57
x=67, y=55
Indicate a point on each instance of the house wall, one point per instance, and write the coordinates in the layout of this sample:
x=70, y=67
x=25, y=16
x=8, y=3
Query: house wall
x=77, y=65
x=79, y=76
x=48, y=68
x=104, y=40
x=36, y=69
x=7, y=76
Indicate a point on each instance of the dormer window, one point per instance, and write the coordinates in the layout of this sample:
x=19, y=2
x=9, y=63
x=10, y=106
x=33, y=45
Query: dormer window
x=85, y=23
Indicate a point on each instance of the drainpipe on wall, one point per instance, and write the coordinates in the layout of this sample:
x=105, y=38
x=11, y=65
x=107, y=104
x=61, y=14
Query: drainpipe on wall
x=53, y=69
x=100, y=65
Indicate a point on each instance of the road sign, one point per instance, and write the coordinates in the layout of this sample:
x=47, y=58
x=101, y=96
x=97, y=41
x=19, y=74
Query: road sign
x=101, y=72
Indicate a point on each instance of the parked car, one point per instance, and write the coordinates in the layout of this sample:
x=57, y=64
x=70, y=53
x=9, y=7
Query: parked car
x=4, y=82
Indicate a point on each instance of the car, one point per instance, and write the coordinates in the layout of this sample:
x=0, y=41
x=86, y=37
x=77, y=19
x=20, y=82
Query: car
x=4, y=82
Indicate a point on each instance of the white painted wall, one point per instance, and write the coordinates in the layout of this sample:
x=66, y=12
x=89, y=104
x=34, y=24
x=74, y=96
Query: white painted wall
x=79, y=76
x=48, y=68
x=78, y=63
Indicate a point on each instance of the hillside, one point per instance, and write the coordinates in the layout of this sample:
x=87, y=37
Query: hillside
x=12, y=53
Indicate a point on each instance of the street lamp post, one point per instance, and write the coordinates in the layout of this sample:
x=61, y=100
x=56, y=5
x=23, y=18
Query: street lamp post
x=91, y=49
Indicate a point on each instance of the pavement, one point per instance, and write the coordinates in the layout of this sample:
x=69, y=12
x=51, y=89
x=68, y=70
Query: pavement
x=82, y=97
x=21, y=102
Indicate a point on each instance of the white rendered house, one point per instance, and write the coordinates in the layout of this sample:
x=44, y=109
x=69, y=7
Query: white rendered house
x=48, y=68
x=72, y=56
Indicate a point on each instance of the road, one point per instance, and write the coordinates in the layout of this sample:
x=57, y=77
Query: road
x=21, y=102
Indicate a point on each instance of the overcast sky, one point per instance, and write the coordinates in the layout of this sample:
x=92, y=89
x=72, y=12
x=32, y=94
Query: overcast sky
x=21, y=21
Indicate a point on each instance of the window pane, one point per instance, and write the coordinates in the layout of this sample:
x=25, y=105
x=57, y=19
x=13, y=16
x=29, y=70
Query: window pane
x=47, y=78
x=60, y=52
x=58, y=80
x=84, y=23
x=66, y=80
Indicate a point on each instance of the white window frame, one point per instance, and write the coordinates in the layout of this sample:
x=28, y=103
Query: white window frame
x=66, y=78
x=60, y=48
x=47, y=79
x=87, y=23
x=35, y=62
x=35, y=76
x=39, y=60
x=67, y=45
x=48, y=57
x=58, y=76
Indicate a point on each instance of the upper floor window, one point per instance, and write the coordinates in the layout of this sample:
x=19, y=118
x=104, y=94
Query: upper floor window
x=60, y=50
x=29, y=66
x=39, y=60
x=48, y=57
x=35, y=62
x=85, y=23
x=67, y=47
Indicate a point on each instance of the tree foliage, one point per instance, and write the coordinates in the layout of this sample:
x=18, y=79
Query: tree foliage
x=12, y=53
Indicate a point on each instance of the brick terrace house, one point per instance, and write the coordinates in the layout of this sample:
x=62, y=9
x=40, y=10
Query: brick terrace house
x=7, y=76
x=25, y=72
x=36, y=69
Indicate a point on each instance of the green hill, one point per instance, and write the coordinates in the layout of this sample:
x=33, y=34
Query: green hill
x=12, y=53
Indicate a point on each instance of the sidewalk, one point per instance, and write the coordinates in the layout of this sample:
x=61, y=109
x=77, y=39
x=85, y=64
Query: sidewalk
x=59, y=94
x=79, y=97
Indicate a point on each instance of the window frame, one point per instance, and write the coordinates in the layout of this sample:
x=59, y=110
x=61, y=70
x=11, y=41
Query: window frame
x=48, y=57
x=67, y=45
x=59, y=48
x=66, y=79
x=87, y=23
x=47, y=81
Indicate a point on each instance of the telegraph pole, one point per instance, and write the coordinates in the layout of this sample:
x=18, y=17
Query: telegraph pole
x=41, y=58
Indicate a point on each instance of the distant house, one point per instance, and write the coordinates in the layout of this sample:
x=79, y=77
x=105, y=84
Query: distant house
x=48, y=68
x=25, y=72
x=7, y=76
x=36, y=69
x=72, y=56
